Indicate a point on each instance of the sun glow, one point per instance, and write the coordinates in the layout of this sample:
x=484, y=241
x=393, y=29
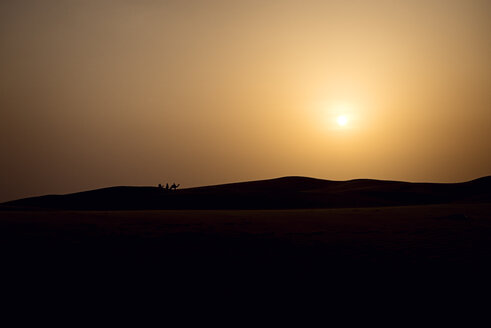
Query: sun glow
x=342, y=120
x=341, y=115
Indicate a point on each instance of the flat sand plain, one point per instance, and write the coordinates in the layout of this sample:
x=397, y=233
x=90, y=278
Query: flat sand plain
x=399, y=252
x=411, y=235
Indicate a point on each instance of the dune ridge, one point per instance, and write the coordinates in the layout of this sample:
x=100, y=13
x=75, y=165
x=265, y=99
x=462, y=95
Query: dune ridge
x=279, y=193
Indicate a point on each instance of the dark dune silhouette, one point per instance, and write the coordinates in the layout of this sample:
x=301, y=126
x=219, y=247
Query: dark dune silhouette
x=280, y=193
x=286, y=231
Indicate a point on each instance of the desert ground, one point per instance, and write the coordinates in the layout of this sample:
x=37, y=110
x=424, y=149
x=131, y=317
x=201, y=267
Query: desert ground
x=396, y=254
x=422, y=236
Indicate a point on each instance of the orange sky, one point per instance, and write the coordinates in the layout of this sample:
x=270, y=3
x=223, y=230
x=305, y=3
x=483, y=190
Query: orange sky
x=102, y=93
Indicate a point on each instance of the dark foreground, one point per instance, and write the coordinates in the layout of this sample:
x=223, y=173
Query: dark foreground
x=420, y=255
x=414, y=254
x=456, y=236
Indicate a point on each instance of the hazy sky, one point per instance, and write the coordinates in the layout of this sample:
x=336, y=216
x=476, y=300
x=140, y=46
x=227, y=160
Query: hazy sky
x=101, y=93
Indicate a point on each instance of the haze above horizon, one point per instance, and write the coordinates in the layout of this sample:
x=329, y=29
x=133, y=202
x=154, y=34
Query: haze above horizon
x=104, y=93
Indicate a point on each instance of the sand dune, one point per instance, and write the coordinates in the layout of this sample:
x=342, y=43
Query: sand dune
x=281, y=193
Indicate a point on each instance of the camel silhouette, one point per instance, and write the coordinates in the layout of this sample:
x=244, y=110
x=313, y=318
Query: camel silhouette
x=173, y=187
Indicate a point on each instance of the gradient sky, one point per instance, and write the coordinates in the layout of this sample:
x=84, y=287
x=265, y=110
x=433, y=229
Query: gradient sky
x=102, y=93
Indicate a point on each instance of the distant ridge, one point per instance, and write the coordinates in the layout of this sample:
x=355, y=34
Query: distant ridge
x=279, y=193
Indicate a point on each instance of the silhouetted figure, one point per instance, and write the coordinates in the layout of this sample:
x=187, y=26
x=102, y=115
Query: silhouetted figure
x=166, y=186
x=174, y=186
x=160, y=186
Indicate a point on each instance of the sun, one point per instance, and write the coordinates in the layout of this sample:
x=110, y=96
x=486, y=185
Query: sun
x=340, y=116
x=342, y=120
